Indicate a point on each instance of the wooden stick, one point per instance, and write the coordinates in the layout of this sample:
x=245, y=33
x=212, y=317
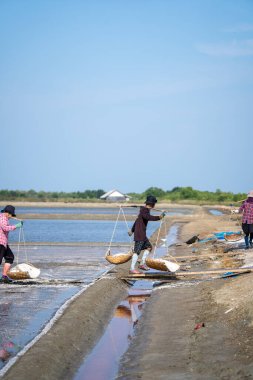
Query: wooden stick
x=180, y=274
x=135, y=206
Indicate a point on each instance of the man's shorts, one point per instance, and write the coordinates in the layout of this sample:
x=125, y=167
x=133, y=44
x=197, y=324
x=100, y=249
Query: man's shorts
x=247, y=228
x=141, y=245
x=6, y=253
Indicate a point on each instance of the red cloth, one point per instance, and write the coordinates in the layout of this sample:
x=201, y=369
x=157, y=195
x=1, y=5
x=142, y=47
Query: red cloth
x=247, y=209
x=140, y=225
x=5, y=227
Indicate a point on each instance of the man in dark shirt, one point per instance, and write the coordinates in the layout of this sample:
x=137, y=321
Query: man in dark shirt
x=139, y=229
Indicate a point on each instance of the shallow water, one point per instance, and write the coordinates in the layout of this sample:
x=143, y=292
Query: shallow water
x=24, y=311
x=73, y=210
x=102, y=363
x=92, y=210
x=216, y=212
x=37, y=230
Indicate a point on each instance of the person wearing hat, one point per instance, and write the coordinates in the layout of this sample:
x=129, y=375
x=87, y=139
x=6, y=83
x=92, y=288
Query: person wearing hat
x=247, y=220
x=5, y=251
x=139, y=228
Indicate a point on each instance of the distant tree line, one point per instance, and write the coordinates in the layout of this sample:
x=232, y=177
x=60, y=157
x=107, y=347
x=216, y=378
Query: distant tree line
x=177, y=194
x=32, y=195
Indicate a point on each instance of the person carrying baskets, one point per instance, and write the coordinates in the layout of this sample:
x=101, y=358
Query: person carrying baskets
x=247, y=219
x=5, y=251
x=139, y=229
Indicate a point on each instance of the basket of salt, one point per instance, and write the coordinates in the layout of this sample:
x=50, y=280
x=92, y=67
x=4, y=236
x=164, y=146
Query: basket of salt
x=23, y=271
x=161, y=264
x=232, y=237
x=119, y=258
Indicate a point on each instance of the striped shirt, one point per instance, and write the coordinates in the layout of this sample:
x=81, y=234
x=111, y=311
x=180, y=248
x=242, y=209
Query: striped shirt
x=247, y=209
x=5, y=227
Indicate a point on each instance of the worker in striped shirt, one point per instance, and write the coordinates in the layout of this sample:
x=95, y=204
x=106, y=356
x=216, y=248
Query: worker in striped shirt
x=247, y=220
x=5, y=251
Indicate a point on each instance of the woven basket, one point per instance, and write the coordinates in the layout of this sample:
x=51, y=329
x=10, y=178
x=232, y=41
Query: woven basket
x=163, y=265
x=233, y=237
x=119, y=258
x=18, y=275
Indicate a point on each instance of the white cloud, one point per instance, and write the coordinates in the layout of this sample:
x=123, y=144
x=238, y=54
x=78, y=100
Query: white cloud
x=235, y=48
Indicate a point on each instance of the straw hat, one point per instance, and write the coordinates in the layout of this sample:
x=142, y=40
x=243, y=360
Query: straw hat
x=250, y=194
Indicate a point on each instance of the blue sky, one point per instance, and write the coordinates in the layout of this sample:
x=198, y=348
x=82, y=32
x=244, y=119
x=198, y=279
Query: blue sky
x=126, y=94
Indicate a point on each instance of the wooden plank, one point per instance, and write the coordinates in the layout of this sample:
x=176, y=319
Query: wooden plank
x=206, y=255
x=164, y=275
x=169, y=280
x=218, y=271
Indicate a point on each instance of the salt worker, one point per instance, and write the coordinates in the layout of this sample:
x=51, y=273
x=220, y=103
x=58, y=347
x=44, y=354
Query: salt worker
x=139, y=228
x=247, y=220
x=5, y=251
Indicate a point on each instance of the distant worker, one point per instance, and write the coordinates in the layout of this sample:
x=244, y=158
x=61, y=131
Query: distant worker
x=139, y=228
x=247, y=219
x=5, y=251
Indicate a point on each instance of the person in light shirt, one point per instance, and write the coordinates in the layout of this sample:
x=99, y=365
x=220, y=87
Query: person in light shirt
x=5, y=251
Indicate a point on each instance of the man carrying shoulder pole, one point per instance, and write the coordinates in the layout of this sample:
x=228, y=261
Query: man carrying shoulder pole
x=139, y=228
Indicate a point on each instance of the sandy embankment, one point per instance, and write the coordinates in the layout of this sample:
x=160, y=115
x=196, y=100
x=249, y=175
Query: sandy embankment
x=86, y=216
x=165, y=346
x=87, y=204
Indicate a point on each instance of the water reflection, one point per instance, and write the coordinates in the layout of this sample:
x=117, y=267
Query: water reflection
x=7, y=346
x=103, y=361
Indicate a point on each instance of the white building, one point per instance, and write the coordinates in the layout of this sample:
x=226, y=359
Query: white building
x=115, y=196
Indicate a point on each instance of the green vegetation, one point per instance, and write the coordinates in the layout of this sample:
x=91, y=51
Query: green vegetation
x=189, y=195
x=45, y=196
x=177, y=194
